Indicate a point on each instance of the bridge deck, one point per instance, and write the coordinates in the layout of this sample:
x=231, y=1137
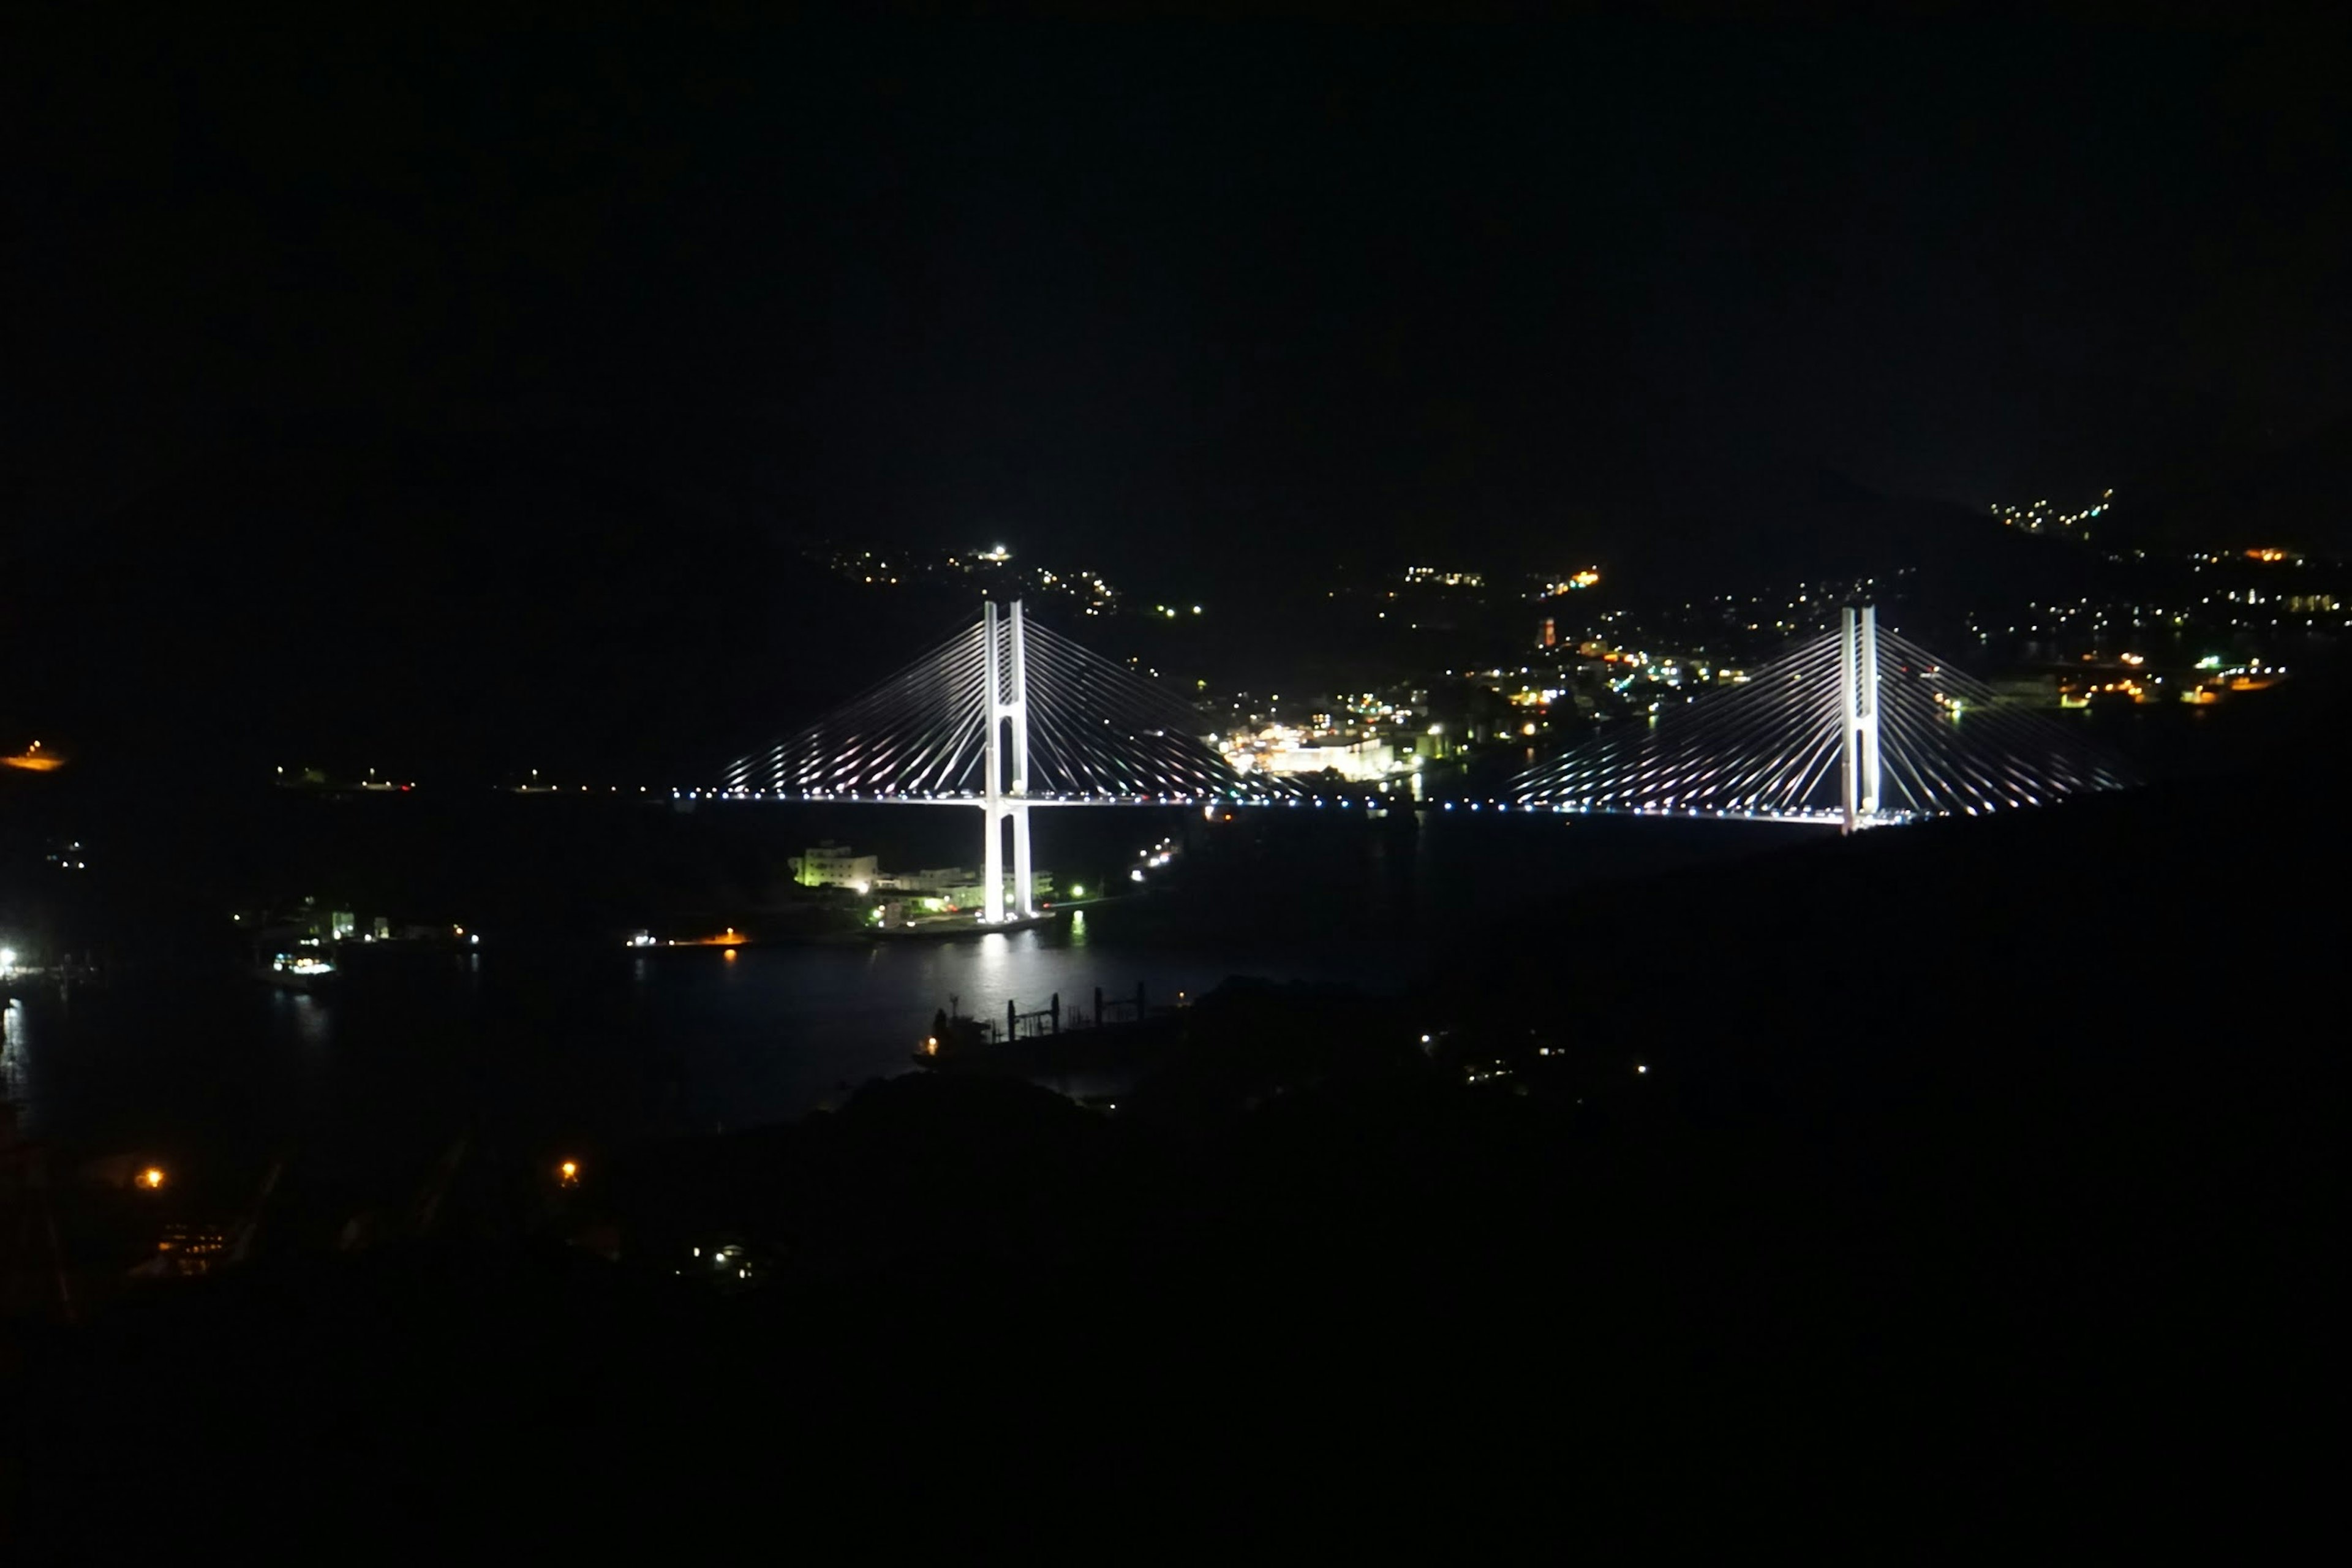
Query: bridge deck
x=1556, y=808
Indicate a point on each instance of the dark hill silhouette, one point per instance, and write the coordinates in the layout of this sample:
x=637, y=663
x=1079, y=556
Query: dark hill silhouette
x=2297, y=494
x=1807, y=525
x=432, y=604
x=2001, y=1149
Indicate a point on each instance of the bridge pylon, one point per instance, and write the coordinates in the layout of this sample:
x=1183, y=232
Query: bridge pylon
x=1858, y=705
x=1004, y=702
x=1857, y=727
x=1010, y=718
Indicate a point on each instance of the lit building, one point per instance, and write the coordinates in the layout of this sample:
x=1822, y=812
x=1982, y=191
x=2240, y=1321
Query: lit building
x=936, y=889
x=2027, y=692
x=973, y=895
x=831, y=865
x=935, y=880
x=1355, y=761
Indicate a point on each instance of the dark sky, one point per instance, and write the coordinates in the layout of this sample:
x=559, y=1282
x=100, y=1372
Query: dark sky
x=1186, y=292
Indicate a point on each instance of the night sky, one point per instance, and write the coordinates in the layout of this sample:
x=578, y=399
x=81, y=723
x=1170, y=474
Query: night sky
x=1179, y=301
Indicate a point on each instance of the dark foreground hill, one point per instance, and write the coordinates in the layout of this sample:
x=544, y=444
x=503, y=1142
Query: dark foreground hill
x=1981, y=1174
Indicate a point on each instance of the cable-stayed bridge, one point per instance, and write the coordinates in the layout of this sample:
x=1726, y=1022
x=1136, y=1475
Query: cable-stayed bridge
x=1004, y=715
x=1857, y=727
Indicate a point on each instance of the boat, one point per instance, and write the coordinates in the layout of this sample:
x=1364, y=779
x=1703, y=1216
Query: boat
x=298, y=971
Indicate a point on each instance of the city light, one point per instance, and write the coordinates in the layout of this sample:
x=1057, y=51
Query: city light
x=151, y=1178
x=568, y=1173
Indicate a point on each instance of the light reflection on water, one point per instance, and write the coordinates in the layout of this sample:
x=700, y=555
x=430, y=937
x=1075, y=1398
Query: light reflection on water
x=304, y=1018
x=14, y=1087
x=546, y=1045
x=589, y=1047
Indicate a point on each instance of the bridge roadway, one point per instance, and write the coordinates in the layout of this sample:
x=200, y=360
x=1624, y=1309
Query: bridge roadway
x=1823, y=736
x=1820, y=818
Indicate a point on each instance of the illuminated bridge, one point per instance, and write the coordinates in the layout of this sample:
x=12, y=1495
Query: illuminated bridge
x=1855, y=729
x=1005, y=716
x=1858, y=728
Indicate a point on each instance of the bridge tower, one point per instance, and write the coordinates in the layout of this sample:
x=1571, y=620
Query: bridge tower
x=1004, y=700
x=1858, y=703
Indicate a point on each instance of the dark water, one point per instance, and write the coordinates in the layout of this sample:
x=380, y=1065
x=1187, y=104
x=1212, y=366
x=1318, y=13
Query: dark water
x=542, y=1051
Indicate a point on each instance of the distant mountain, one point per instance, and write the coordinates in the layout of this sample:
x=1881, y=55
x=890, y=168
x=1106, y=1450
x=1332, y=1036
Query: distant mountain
x=1812, y=524
x=469, y=603
x=2296, y=495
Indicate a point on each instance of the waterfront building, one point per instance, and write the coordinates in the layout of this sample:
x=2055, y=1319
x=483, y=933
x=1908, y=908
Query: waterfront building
x=831, y=865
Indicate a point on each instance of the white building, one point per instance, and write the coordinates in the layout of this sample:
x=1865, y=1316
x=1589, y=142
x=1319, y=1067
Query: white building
x=935, y=880
x=831, y=865
x=973, y=895
x=1358, y=762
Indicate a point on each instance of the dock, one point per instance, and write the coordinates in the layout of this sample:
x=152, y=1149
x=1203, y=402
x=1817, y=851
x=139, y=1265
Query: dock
x=950, y=926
